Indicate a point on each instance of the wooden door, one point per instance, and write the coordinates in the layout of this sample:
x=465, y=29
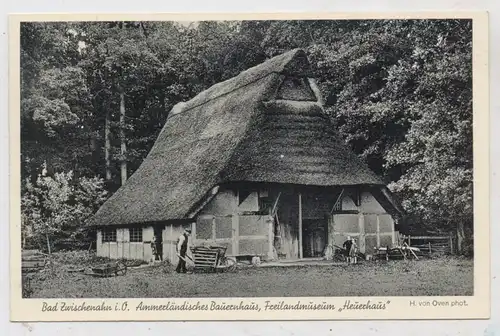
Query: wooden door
x=147, y=237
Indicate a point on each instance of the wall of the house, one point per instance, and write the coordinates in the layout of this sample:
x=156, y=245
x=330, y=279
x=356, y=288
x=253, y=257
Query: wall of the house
x=348, y=204
x=250, y=203
x=235, y=223
x=372, y=226
x=232, y=220
x=124, y=248
x=239, y=225
x=224, y=203
x=369, y=204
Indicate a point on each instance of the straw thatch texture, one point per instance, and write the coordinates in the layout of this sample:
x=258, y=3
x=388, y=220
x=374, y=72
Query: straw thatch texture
x=295, y=143
x=235, y=131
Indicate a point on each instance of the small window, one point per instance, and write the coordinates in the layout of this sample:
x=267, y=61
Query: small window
x=136, y=235
x=296, y=88
x=108, y=235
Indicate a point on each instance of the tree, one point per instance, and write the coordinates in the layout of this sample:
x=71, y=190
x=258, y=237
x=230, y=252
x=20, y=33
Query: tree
x=436, y=153
x=57, y=206
x=54, y=96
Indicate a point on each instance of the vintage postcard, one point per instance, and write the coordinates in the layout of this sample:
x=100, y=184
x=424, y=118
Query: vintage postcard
x=249, y=167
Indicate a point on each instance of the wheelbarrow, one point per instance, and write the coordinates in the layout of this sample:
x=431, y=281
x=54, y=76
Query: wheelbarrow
x=110, y=269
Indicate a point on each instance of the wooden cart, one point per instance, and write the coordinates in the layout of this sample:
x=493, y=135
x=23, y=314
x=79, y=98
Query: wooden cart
x=340, y=254
x=212, y=259
x=110, y=269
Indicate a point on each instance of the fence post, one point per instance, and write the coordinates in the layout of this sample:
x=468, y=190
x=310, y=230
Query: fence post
x=430, y=250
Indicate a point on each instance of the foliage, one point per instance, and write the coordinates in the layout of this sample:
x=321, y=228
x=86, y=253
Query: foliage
x=56, y=207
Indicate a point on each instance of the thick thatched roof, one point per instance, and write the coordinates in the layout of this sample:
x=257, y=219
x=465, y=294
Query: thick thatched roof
x=236, y=131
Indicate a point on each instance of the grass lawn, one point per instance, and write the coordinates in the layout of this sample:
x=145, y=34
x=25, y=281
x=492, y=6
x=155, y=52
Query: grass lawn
x=445, y=276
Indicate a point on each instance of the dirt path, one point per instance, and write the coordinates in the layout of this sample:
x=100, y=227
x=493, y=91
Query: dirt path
x=413, y=278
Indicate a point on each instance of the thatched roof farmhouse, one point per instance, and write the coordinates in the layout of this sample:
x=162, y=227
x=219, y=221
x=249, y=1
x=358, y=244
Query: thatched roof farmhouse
x=258, y=143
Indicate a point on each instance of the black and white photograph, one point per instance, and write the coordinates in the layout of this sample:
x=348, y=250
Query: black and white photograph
x=247, y=158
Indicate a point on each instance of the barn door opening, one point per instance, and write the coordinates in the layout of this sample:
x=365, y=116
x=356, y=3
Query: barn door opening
x=315, y=237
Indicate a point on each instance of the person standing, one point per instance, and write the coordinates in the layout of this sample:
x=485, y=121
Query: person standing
x=347, y=249
x=153, y=249
x=353, y=253
x=182, y=245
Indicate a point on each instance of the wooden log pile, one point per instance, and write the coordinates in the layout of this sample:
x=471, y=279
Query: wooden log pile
x=33, y=261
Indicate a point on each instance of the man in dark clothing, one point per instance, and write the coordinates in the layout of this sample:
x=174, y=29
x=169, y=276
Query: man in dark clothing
x=347, y=246
x=182, y=245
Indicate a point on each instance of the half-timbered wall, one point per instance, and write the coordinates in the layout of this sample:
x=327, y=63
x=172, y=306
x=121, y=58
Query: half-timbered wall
x=122, y=247
x=232, y=219
x=368, y=222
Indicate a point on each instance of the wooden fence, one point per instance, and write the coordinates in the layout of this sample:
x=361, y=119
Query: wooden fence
x=431, y=244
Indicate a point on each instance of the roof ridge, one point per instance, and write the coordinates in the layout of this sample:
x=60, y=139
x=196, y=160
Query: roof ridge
x=291, y=54
x=218, y=96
